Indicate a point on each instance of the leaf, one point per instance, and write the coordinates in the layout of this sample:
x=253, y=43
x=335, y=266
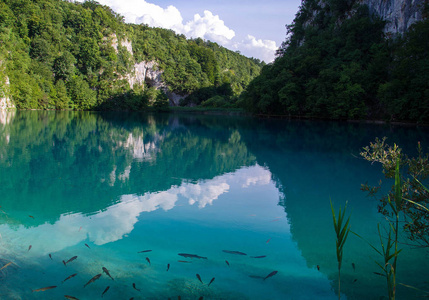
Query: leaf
x=417, y=204
x=375, y=249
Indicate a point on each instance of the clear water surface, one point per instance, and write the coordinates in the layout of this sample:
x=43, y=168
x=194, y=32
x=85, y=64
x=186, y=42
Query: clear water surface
x=105, y=187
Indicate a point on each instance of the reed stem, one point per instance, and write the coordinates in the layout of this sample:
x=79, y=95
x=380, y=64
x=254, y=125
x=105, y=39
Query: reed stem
x=342, y=230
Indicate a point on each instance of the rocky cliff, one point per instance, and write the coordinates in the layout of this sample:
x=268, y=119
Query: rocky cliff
x=5, y=102
x=146, y=73
x=399, y=14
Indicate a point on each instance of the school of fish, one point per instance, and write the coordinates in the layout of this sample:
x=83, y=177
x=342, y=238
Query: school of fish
x=107, y=272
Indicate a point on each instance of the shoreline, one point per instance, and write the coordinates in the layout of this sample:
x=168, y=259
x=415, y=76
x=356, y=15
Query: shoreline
x=239, y=112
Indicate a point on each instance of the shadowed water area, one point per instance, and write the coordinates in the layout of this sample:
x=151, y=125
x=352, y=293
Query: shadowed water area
x=238, y=198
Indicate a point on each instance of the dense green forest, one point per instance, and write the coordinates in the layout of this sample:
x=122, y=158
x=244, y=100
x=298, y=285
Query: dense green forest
x=60, y=55
x=337, y=63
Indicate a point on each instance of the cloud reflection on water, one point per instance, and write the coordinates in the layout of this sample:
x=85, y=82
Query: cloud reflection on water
x=118, y=220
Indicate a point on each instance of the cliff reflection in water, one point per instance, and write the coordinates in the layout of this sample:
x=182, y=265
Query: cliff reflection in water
x=61, y=162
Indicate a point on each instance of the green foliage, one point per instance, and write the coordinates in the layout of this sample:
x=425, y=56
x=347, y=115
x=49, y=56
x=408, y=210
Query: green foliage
x=80, y=93
x=336, y=63
x=202, y=95
x=216, y=101
x=406, y=94
x=408, y=194
x=70, y=55
x=64, y=66
x=161, y=102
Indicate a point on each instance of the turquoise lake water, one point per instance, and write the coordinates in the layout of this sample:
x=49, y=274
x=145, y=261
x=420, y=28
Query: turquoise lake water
x=105, y=187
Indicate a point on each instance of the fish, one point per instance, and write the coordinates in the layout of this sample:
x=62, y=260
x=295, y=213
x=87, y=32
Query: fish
x=199, y=278
x=87, y=246
x=50, y=256
x=148, y=260
x=71, y=276
x=271, y=274
x=234, y=252
x=168, y=267
x=134, y=286
x=92, y=279
x=45, y=288
x=70, y=260
x=354, y=280
x=227, y=262
x=268, y=241
x=105, y=291
x=260, y=256
x=80, y=228
x=31, y=216
x=6, y=265
x=29, y=247
x=318, y=268
x=107, y=272
x=376, y=273
x=144, y=251
x=354, y=267
x=187, y=255
x=70, y=297
x=211, y=281
x=185, y=261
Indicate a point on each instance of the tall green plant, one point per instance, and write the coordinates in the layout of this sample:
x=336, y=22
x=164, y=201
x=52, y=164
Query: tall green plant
x=396, y=207
x=389, y=249
x=342, y=229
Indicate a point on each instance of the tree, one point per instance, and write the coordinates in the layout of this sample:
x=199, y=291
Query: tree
x=64, y=66
x=161, y=101
x=62, y=100
x=80, y=93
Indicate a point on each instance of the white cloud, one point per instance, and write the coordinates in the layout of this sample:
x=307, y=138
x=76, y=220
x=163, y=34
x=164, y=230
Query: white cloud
x=208, y=27
x=204, y=192
x=262, y=49
x=155, y=16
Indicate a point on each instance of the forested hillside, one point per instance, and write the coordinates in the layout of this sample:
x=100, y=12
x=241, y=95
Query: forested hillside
x=338, y=63
x=55, y=54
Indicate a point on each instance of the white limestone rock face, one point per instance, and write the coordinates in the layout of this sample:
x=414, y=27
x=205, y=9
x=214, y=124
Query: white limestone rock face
x=399, y=14
x=146, y=73
x=127, y=44
x=175, y=98
x=5, y=101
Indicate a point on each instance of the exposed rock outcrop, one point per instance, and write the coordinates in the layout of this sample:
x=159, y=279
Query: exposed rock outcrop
x=5, y=101
x=399, y=14
x=146, y=73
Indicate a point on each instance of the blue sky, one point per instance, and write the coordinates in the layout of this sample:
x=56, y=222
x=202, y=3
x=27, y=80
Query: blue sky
x=255, y=28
